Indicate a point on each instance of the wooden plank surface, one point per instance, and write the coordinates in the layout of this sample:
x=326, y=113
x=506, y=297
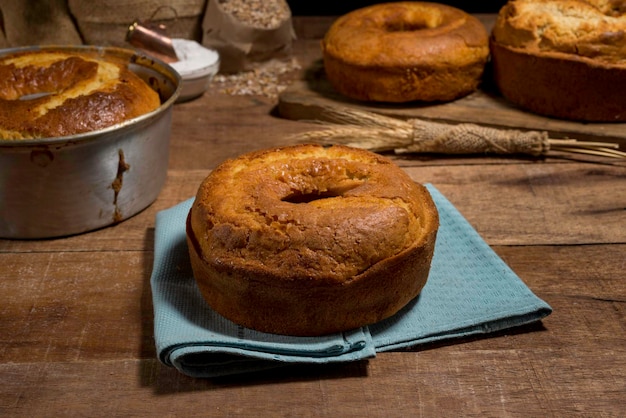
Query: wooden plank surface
x=60, y=304
x=76, y=321
x=498, y=383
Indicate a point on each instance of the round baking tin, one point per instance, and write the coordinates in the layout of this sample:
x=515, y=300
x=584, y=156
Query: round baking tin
x=60, y=186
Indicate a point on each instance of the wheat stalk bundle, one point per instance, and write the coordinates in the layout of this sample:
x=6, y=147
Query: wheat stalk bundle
x=380, y=133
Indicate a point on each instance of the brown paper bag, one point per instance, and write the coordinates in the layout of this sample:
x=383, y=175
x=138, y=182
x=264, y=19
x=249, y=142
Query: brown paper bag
x=242, y=46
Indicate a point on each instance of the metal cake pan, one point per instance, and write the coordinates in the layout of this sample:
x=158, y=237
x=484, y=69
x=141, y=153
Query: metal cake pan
x=54, y=187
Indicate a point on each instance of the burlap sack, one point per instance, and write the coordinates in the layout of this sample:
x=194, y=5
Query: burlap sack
x=36, y=22
x=241, y=46
x=105, y=22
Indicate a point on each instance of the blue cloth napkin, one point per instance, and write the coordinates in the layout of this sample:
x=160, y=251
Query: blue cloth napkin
x=470, y=291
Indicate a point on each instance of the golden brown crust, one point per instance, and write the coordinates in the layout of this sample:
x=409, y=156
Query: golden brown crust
x=82, y=92
x=582, y=28
x=307, y=240
x=563, y=58
x=405, y=51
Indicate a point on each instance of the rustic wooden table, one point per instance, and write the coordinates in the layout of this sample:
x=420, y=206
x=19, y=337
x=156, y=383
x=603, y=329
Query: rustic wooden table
x=76, y=321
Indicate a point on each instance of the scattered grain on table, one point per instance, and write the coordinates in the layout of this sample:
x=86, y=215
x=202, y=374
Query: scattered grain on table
x=267, y=79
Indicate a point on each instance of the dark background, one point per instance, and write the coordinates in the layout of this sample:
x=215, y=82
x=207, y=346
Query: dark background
x=338, y=7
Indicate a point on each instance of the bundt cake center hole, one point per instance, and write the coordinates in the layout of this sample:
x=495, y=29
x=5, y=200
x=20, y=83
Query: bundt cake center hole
x=299, y=196
x=405, y=26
